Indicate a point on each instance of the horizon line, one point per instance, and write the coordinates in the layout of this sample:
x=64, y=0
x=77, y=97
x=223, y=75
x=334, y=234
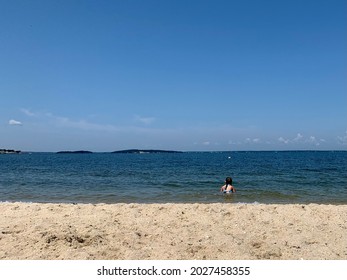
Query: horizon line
x=190, y=151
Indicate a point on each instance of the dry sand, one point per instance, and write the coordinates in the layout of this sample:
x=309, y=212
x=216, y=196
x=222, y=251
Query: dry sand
x=172, y=231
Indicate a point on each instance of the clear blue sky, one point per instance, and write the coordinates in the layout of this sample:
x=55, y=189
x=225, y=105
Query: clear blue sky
x=183, y=75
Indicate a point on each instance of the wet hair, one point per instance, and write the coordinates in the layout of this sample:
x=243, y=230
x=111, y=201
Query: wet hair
x=228, y=181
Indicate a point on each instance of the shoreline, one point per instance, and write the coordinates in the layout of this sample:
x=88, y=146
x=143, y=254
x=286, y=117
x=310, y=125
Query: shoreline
x=172, y=231
x=226, y=202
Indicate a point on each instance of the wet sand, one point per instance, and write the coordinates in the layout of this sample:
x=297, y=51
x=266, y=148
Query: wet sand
x=172, y=231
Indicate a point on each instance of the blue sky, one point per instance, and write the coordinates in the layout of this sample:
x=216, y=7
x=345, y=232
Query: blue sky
x=183, y=75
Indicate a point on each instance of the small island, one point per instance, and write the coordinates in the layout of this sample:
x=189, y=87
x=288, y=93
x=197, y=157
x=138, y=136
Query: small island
x=75, y=152
x=137, y=151
x=5, y=151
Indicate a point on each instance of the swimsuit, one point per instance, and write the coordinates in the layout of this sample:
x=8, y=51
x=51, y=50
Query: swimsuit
x=225, y=191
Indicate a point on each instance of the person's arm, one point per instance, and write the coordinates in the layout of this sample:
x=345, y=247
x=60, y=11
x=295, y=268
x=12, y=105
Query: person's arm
x=222, y=188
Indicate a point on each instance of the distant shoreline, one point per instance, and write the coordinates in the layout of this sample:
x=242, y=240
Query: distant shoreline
x=137, y=151
x=130, y=151
x=5, y=151
x=74, y=152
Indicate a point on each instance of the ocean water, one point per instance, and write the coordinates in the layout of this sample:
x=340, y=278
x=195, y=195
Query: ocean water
x=259, y=177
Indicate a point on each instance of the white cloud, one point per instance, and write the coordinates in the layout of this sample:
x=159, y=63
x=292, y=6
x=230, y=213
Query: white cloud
x=301, y=139
x=313, y=140
x=14, y=122
x=343, y=139
x=206, y=143
x=144, y=120
x=298, y=137
x=83, y=124
x=282, y=140
x=249, y=140
x=59, y=121
x=231, y=142
x=28, y=112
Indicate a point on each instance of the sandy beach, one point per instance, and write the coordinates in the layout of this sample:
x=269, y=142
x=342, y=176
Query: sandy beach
x=172, y=231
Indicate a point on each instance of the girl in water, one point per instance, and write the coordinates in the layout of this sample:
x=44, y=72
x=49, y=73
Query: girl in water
x=228, y=187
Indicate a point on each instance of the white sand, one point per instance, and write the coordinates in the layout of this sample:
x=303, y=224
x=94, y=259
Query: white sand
x=172, y=231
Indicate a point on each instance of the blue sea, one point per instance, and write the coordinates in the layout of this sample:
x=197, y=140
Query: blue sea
x=259, y=177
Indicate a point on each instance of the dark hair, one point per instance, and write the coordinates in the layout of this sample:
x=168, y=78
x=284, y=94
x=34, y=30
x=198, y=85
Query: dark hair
x=228, y=181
